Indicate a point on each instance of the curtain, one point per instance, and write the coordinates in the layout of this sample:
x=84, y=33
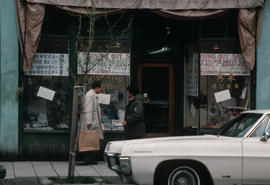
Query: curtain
x=156, y=4
x=249, y=29
x=29, y=21
x=189, y=14
x=85, y=11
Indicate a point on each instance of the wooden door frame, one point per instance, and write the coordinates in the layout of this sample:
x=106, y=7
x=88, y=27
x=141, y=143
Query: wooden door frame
x=171, y=67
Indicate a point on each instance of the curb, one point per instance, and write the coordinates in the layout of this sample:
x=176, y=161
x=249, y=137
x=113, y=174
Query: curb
x=105, y=180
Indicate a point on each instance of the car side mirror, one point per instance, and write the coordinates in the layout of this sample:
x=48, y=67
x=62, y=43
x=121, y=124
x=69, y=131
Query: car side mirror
x=265, y=137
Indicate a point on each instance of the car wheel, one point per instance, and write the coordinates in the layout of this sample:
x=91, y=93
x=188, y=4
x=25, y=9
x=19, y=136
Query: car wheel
x=183, y=176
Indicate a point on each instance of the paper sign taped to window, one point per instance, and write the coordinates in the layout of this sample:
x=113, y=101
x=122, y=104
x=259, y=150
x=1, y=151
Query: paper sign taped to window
x=244, y=93
x=222, y=95
x=46, y=93
x=193, y=110
x=104, y=99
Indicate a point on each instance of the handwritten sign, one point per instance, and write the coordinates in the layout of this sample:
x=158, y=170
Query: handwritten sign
x=225, y=64
x=104, y=64
x=50, y=64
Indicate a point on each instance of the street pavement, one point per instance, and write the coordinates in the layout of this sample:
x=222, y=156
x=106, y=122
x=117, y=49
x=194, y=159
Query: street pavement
x=36, y=172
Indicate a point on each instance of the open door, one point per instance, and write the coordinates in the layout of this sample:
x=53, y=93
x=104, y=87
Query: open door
x=156, y=82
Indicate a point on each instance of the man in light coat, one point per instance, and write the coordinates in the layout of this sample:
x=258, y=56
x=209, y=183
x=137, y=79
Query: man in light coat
x=92, y=116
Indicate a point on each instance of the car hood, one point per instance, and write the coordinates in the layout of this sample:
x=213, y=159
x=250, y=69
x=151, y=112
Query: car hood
x=150, y=145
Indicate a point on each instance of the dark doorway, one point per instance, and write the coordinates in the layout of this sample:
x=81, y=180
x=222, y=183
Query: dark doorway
x=156, y=84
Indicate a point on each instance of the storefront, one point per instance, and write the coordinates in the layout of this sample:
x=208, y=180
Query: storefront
x=46, y=106
x=190, y=71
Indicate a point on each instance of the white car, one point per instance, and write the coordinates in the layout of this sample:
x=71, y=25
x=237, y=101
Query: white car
x=238, y=155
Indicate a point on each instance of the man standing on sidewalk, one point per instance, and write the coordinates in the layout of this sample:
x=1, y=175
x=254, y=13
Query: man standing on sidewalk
x=134, y=117
x=92, y=117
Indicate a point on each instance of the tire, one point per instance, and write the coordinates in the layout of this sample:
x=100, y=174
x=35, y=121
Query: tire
x=183, y=176
x=179, y=175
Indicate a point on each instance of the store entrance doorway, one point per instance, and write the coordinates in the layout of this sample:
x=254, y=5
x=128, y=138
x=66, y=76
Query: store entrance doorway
x=156, y=82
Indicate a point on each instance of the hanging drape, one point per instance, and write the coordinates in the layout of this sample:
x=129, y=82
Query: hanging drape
x=249, y=29
x=30, y=17
x=156, y=4
x=29, y=21
x=189, y=14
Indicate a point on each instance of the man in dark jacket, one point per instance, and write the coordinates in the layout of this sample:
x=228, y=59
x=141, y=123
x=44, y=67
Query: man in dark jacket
x=134, y=117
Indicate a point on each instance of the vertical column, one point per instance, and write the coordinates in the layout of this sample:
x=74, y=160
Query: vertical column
x=263, y=63
x=8, y=80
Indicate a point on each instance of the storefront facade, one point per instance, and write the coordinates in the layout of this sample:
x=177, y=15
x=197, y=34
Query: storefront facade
x=191, y=73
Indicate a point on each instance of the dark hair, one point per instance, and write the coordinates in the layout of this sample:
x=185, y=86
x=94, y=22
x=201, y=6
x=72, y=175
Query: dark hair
x=133, y=90
x=96, y=84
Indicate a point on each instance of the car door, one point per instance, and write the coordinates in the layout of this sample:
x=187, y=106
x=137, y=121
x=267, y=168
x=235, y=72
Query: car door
x=256, y=156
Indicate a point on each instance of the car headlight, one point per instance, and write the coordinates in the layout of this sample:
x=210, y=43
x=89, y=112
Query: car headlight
x=125, y=165
x=107, y=148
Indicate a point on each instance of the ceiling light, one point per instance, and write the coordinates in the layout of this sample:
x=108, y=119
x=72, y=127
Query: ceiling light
x=162, y=50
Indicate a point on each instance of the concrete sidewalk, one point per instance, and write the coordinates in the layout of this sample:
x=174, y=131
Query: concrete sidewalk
x=42, y=170
x=54, y=169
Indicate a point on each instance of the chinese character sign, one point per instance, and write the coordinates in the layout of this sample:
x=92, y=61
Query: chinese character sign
x=104, y=64
x=50, y=64
x=225, y=64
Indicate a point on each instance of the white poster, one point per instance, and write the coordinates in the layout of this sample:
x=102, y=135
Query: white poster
x=104, y=64
x=225, y=64
x=104, y=99
x=46, y=93
x=222, y=95
x=50, y=64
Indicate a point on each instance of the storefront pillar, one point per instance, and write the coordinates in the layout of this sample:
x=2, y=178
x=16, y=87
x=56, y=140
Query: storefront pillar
x=263, y=63
x=8, y=80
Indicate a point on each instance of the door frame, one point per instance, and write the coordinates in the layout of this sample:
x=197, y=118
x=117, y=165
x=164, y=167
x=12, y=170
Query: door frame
x=172, y=125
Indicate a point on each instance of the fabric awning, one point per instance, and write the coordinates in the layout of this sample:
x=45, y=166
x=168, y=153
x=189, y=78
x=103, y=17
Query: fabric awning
x=156, y=4
x=30, y=17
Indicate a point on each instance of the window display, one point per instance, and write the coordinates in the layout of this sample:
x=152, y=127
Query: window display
x=113, y=70
x=40, y=113
x=115, y=86
x=221, y=91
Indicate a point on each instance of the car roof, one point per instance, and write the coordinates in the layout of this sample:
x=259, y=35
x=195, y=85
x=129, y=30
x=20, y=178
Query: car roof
x=262, y=111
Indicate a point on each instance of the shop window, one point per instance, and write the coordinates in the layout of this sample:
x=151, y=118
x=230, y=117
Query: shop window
x=113, y=113
x=40, y=113
x=213, y=29
x=55, y=22
x=112, y=68
x=46, y=98
x=223, y=27
x=217, y=85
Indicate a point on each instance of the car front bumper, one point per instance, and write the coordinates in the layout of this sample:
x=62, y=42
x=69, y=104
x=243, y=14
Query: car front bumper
x=113, y=161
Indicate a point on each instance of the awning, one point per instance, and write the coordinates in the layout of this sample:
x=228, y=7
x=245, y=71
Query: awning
x=30, y=17
x=156, y=4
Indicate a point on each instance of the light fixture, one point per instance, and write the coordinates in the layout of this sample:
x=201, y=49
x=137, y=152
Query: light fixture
x=165, y=46
x=117, y=45
x=162, y=50
x=216, y=47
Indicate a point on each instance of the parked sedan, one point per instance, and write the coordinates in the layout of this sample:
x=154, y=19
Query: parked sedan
x=238, y=155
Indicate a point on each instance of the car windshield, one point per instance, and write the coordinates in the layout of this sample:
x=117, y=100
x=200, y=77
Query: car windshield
x=239, y=126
